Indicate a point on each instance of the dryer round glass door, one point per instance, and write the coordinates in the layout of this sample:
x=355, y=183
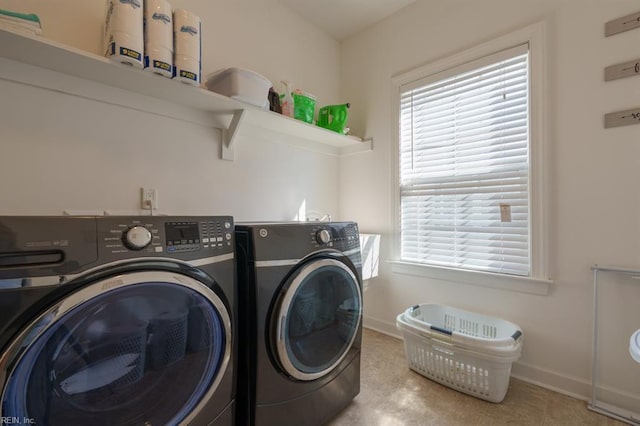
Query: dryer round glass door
x=143, y=348
x=318, y=318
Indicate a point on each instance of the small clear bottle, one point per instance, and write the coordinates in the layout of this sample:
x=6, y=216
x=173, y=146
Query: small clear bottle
x=287, y=99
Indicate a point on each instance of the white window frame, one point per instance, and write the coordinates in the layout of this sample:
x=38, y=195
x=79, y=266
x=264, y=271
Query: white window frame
x=538, y=282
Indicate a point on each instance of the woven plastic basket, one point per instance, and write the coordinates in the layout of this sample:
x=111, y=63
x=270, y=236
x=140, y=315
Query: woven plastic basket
x=466, y=351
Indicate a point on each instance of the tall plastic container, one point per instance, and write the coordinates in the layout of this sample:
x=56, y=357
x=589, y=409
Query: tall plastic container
x=287, y=100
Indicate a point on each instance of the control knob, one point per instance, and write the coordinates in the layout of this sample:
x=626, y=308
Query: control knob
x=323, y=236
x=136, y=237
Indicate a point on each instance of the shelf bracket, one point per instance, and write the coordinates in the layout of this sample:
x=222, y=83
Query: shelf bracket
x=229, y=135
x=364, y=146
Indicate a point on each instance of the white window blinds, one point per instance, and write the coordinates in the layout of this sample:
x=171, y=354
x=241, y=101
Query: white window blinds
x=464, y=166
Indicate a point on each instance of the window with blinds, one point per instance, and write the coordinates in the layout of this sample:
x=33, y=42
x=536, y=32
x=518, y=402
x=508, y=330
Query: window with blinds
x=464, y=166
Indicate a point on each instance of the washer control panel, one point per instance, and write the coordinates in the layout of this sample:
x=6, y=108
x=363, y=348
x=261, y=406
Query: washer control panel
x=182, y=237
x=137, y=237
x=123, y=235
x=196, y=235
x=217, y=234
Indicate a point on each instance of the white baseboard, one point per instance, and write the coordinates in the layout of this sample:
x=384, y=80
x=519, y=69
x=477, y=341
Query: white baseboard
x=384, y=327
x=571, y=386
x=561, y=383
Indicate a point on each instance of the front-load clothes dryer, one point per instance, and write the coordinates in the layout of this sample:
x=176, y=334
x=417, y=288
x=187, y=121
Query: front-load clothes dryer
x=117, y=320
x=300, y=292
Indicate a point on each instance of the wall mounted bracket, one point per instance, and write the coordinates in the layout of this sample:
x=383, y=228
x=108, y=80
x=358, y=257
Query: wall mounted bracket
x=622, y=118
x=620, y=25
x=626, y=69
x=229, y=136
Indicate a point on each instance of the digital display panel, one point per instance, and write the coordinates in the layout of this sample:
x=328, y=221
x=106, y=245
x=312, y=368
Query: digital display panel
x=182, y=233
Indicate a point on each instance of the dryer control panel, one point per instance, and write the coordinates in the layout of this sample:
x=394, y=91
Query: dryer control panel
x=295, y=240
x=342, y=236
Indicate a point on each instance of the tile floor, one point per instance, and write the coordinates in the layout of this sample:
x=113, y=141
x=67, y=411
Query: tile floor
x=393, y=395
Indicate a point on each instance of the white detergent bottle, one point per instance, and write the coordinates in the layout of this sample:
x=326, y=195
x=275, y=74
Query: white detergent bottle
x=287, y=100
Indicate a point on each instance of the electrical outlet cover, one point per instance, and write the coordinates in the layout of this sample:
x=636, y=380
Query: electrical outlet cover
x=149, y=199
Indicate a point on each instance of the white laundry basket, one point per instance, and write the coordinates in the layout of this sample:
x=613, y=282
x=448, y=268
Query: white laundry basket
x=634, y=346
x=469, y=352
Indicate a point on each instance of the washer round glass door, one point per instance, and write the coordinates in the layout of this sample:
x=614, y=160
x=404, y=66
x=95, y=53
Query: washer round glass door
x=143, y=348
x=318, y=319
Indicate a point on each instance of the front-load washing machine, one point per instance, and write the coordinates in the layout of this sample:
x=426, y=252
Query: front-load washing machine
x=117, y=320
x=300, y=292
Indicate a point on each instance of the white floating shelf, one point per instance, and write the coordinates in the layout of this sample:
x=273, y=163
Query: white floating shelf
x=48, y=54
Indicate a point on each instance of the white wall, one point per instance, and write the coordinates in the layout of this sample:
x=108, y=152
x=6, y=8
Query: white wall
x=60, y=152
x=593, y=173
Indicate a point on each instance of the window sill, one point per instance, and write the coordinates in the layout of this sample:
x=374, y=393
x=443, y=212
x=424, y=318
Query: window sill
x=538, y=286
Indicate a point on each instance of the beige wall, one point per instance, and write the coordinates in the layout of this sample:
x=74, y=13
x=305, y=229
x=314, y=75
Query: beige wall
x=593, y=200
x=60, y=152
